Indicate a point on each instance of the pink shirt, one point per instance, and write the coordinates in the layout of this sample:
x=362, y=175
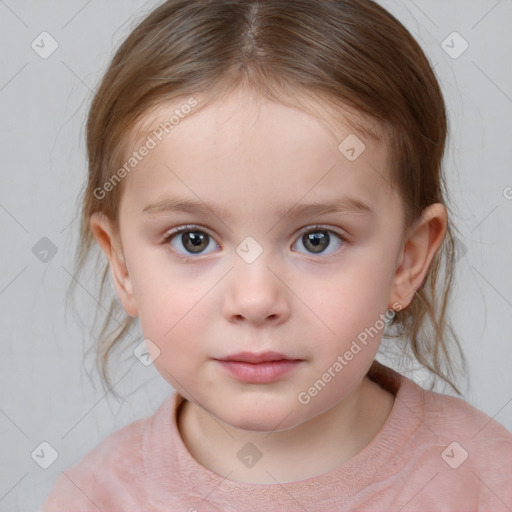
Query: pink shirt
x=434, y=453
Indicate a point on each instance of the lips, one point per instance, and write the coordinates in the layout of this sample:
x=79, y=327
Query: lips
x=251, y=357
x=263, y=368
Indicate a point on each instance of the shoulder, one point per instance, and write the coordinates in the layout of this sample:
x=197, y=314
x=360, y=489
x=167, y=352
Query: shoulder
x=113, y=466
x=453, y=418
x=468, y=453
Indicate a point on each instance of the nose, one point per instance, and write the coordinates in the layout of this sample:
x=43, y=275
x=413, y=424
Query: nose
x=256, y=294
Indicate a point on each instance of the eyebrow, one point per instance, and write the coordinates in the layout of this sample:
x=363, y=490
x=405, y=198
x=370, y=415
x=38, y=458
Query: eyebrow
x=342, y=205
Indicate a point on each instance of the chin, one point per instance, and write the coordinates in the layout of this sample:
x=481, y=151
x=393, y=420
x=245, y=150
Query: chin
x=261, y=420
x=252, y=425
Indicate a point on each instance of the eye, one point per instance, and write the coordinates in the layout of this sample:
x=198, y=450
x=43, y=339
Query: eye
x=318, y=238
x=189, y=240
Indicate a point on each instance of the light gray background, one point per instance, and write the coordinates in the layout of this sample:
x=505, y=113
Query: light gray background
x=46, y=394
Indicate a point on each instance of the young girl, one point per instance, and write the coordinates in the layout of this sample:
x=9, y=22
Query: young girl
x=265, y=180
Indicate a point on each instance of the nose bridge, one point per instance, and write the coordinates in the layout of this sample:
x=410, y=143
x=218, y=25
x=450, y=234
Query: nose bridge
x=255, y=291
x=251, y=268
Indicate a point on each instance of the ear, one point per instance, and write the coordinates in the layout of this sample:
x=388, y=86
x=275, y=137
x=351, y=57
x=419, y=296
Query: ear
x=109, y=241
x=421, y=243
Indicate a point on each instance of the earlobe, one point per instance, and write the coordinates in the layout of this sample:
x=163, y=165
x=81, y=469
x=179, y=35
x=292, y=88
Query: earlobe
x=109, y=241
x=421, y=243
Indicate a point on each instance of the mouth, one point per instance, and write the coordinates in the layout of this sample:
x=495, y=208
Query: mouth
x=258, y=368
x=252, y=357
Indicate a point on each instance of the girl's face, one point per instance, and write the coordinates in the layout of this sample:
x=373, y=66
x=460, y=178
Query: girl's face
x=243, y=276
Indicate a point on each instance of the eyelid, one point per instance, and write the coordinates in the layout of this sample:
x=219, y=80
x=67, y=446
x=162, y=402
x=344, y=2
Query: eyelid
x=305, y=229
x=313, y=227
x=183, y=228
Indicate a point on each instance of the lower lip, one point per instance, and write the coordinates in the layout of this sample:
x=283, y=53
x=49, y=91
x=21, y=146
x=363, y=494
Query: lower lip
x=260, y=373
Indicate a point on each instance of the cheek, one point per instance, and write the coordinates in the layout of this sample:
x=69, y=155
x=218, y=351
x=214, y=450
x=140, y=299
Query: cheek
x=174, y=326
x=352, y=300
x=169, y=315
x=164, y=291
x=174, y=310
x=351, y=312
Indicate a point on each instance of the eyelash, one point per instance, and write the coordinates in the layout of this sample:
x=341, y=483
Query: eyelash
x=310, y=229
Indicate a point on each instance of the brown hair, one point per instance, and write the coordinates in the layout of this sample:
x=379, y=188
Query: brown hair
x=352, y=54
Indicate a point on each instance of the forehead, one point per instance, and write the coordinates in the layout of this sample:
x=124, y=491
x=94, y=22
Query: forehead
x=239, y=104
x=274, y=152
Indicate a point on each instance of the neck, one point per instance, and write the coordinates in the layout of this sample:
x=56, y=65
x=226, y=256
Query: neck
x=325, y=441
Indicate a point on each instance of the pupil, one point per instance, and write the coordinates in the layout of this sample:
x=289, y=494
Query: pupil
x=318, y=239
x=195, y=238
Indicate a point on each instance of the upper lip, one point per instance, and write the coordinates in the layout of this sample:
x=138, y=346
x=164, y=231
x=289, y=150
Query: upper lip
x=251, y=357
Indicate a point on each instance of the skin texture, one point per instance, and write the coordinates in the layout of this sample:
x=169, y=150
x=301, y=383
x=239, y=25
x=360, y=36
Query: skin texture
x=250, y=156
